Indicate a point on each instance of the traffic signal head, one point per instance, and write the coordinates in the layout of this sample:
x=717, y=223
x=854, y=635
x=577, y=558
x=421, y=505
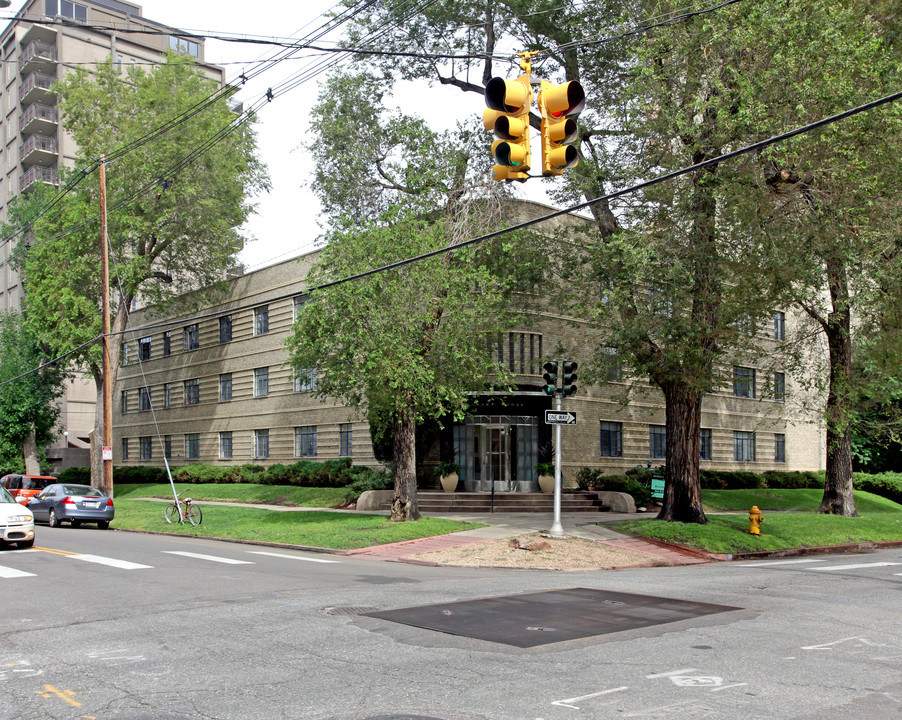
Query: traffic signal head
x=550, y=377
x=568, y=382
x=559, y=105
x=507, y=116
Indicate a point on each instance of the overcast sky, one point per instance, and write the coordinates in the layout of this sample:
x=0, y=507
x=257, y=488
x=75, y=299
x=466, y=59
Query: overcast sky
x=287, y=220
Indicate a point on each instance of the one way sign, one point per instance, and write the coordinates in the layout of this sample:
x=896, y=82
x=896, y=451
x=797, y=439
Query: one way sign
x=555, y=417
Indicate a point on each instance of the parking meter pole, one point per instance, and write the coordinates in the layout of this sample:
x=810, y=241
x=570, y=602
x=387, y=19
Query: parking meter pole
x=557, y=530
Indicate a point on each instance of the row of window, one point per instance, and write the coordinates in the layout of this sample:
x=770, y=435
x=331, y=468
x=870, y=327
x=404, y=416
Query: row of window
x=305, y=444
x=191, y=333
x=744, y=384
x=744, y=450
x=304, y=381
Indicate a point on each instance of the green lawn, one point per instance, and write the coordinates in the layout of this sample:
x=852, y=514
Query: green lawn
x=240, y=492
x=316, y=528
x=880, y=520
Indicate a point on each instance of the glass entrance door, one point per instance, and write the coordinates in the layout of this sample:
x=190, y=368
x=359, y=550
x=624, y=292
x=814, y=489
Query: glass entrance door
x=497, y=452
x=496, y=456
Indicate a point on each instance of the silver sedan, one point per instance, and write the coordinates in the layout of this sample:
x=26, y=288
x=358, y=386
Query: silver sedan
x=75, y=504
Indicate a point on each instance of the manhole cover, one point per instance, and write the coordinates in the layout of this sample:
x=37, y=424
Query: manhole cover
x=349, y=610
x=548, y=617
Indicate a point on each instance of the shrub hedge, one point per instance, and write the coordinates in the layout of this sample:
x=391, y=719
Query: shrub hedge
x=888, y=485
x=304, y=473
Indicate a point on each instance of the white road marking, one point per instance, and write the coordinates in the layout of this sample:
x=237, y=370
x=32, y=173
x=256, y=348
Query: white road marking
x=568, y=701
x=292, y=557
x=212, y=558
x=827, y=646
x=853, y=567
x=780, y=562
x=671, y=673
x=8, y=572
x=112, y=562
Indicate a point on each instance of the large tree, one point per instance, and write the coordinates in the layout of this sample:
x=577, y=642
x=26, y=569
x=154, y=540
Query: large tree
x=409, y=345
x=179, y=235
x=29, y=391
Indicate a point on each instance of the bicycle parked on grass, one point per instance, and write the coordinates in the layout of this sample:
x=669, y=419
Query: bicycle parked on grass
x=183, y=510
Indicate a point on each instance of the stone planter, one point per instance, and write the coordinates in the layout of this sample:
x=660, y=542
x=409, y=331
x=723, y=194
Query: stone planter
x=449, y=482
x=546, y=483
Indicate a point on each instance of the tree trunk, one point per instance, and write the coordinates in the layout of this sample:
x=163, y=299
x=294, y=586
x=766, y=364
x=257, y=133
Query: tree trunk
x=404, y=504
x=682, y=491
x=838, y=489
x=30, y=451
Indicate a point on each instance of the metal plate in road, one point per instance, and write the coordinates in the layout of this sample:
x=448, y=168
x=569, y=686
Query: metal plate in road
x=551, y=616
x=560, y=417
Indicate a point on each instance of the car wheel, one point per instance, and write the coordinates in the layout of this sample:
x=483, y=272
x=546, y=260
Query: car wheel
x=53, y=520
x=103, y=524
x=25, y=544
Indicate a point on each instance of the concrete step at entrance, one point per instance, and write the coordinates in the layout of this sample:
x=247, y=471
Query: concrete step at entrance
x=464, y=502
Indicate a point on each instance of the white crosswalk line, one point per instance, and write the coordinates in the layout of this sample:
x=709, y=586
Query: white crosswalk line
x=112, y=562
x=856, y=566
x=8, y=572
x=292, y=557
x=781, y=562
x=212, y=558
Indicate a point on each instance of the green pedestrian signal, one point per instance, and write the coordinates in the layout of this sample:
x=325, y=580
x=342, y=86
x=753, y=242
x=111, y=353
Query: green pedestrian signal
x=550, y=377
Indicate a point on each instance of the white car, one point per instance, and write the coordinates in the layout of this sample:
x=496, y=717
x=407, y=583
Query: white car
x=16, y=522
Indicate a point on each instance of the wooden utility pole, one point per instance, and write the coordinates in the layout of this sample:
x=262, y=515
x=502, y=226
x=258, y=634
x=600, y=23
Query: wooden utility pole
x=107, y=486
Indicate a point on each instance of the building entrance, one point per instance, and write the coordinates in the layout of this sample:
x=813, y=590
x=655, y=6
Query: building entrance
x=497, y=453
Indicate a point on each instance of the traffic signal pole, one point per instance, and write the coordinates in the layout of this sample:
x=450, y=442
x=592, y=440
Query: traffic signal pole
x=557, y=530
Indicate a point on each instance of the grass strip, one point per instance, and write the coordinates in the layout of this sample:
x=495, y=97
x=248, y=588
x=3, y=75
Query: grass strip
x=779, y=531
x=785, y=500
x=239, y=492
x=317, y=528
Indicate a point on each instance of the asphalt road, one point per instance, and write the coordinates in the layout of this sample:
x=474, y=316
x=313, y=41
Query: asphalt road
x=124, y=626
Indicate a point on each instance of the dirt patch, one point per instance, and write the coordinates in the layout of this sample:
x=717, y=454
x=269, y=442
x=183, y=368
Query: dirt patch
x=563, y=554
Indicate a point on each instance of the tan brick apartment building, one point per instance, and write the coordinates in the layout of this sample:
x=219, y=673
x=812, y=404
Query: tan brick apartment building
x=216, y=390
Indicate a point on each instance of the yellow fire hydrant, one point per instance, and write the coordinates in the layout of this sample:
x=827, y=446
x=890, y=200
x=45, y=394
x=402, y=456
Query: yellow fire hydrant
x=755, y=520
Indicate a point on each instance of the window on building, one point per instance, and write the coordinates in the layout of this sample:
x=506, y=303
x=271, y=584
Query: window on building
x=225, y=329
x=167, y=395
x=225, y=387
x=123, y=401
x=345, y=438
x=522, y=352
x=146, y=447
x=299, y=303
x=657, y=441
x=261, y=382
x=65, y=8
x=144, y=348
x=225, y=445
x=144, y=398
x=611, y=439
x=184, y=46
x=124, y=353
x=745, y=324
x=704, y=444
x=192, y=446
x=125, y=448
x=743, y=382
x=191, y=337
x=305, y=441
x=305, y=379
x=611, y=365
x=779, y=326
x=192, y=392
x=167, y=447
x=779, y=387
x=779, y=447
x=167, y=342
x=261, y=320
x=743, y=446
x=261, y=443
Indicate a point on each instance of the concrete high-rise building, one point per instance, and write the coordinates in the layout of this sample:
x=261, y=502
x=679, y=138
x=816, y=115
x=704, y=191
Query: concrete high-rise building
x=45, y=40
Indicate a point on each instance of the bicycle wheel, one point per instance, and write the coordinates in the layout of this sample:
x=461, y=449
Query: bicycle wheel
x=195, y=516
x=171, y=513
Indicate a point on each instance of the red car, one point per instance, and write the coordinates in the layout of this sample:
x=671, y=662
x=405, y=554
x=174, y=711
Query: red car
x=25, y=487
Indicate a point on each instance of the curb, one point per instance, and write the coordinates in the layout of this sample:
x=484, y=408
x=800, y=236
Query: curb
x=788, y=552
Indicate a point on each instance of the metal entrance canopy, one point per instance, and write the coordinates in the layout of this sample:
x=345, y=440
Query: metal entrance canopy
x=551, y=616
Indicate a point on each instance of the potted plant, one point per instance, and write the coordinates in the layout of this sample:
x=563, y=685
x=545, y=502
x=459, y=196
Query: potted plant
x=545, y=467
x=449, y=473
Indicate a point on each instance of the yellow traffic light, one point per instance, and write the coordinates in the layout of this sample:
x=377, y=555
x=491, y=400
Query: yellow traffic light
x=559, y=106
x=507, y=116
